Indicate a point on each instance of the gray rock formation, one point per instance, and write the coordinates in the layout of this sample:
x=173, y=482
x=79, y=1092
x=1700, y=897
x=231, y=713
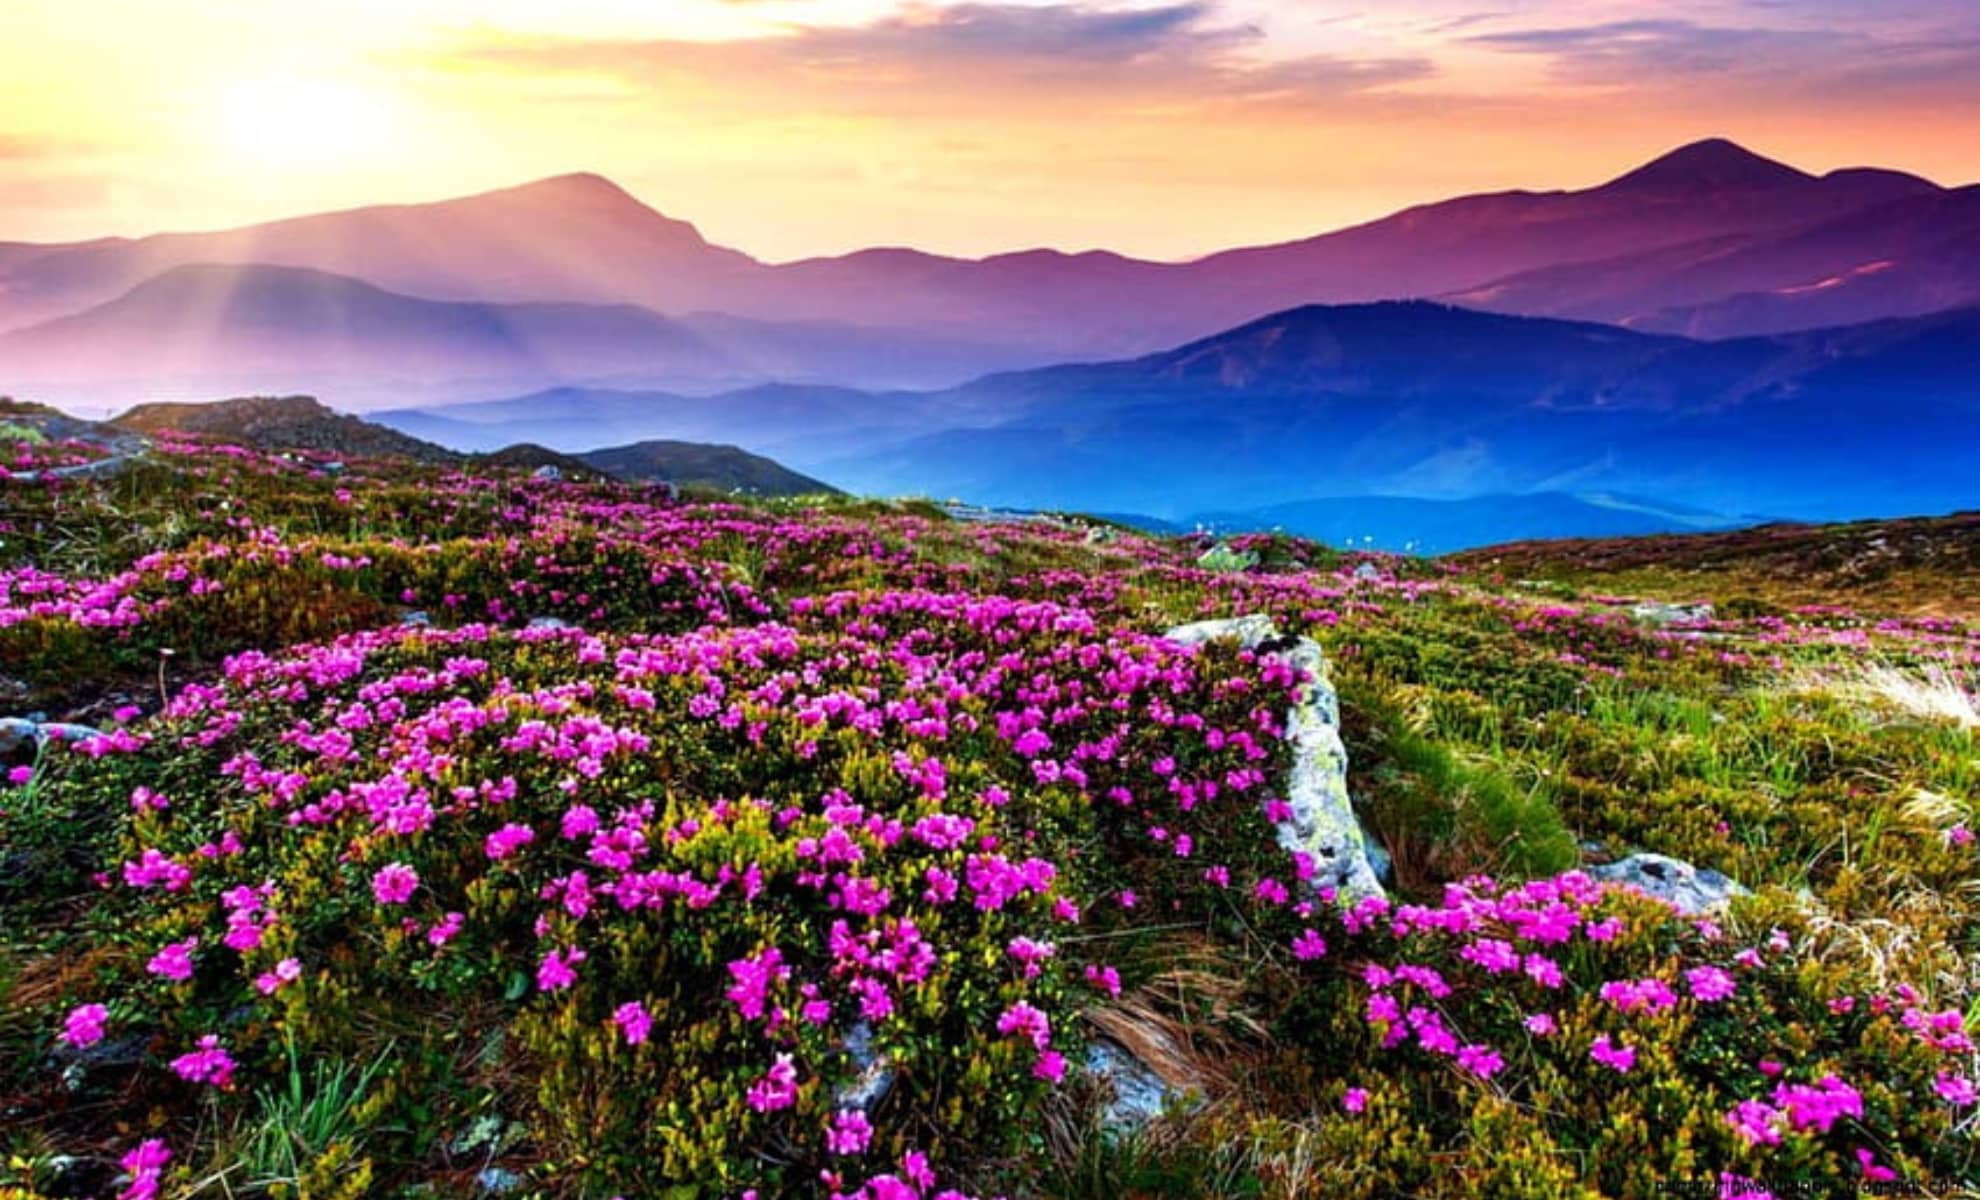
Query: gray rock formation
x=876, y=1074
x=1690, y=890
x=1656, y=612
x=1136, y=1095
x=1323, y=823
x=16, y=732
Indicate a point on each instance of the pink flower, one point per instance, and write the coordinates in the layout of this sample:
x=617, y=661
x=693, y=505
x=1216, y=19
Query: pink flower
x=1544, y=971
x=1309, y=945
x=1819, y=1105
x=1871, y=1170
x=1354, y=1099
x=174, y=961
x=754, y=977
x=555, y=973
x=633, y=1021
x=507, y=840
x=778, y=1087
x=849, y=1133
x=1481, y=1061
x=1956, y=1090
x=1021, y=1018
x=1107, y=979
x=1541, y=1024
x=1617, y=1058
x=1495, y=956
x=1709, y=985
x=84, y=1025
x=446, y=929
x=1959, y=835
x=1051, y=1066
x=209, y=1064
x=145, y=1163
x=1756, y=1123
x=286, y=971
x=394, y=883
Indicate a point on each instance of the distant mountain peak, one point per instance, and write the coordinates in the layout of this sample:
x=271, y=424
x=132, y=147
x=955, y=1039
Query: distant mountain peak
x=1714, y=164
x=580, y=184
x=586, y=195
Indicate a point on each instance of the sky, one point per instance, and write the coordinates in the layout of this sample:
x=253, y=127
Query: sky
x=789, y=128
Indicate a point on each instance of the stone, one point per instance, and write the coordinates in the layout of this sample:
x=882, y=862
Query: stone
x=548, y=623
x=548, y=472
x=16, y=732
x=1691, y=890
x=497, y=1181
x=876, y=1074
x=1136, y=1095
x=1367, y=572
x=1323, y=823
x=1225, y=557
x=1656, y=612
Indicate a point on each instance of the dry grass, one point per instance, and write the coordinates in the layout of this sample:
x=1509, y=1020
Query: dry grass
x=1187, y=1025
x=1930, y=693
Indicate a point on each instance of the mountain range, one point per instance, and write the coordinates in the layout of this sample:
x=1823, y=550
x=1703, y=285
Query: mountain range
x=573, y=280
x=292, y=423
x=1411, y=399
x=1711, y=334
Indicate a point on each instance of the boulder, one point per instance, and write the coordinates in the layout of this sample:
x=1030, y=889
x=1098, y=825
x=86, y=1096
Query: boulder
x=1136, y=1095
x=876, y=1074
x=1690, y=890
x=1656, y=612
x=16, y=732
x=1323, y=823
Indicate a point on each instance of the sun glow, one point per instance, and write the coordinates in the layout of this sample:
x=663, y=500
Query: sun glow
x=301, y=124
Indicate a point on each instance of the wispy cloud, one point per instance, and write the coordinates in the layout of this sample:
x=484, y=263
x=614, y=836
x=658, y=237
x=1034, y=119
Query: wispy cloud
x=1005, y=57
x=1832, y=63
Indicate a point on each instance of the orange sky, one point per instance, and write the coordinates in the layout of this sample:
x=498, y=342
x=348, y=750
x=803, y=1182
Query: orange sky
x=794, y=127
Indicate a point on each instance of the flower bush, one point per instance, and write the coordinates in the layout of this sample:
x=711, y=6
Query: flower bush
x=651, y=848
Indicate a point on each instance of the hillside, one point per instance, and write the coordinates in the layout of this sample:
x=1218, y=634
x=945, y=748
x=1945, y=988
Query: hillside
x=1410, y=399
x=1440, y=403
x=693, y=464
x=1907, y=256
x=288, y=423
x=1916, y=564
x=1407, y=525
x=281, y=423
x=527, y=456
x=433, y=829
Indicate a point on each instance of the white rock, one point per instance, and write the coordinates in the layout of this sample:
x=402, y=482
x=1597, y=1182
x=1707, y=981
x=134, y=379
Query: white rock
x=1691, y=890
x=1323, y=823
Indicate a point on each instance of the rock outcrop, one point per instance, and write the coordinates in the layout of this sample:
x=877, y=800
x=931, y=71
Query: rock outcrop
x=1689, y=889
x=1323, y=823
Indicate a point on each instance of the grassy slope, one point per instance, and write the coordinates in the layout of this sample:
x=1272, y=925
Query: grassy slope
x=1920, y=566
x=1490, y=729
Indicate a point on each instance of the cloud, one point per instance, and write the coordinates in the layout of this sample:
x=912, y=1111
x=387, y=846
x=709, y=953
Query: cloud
x=1010, y=58
x=1638, y=49
x=1831, y=64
